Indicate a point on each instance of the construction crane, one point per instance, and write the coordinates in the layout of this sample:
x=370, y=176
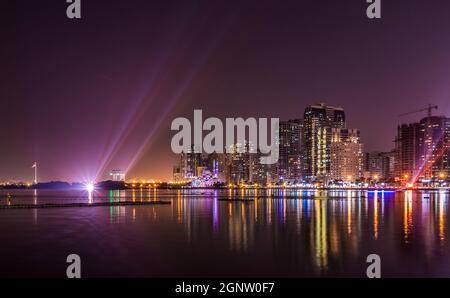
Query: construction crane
x=429, y=109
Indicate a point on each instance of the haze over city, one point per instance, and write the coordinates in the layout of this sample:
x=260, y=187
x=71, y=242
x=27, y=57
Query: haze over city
x=84, y=97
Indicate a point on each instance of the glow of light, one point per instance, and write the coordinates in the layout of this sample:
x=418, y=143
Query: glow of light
x=90, y=187
x=375, y=216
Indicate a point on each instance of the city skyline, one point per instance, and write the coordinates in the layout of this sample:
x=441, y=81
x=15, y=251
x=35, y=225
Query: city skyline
x=81, y=111
x=224, y=147
x=371, y=159
x=320, y=149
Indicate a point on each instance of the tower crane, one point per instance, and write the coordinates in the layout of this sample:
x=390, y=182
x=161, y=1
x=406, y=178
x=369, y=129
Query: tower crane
x=429, y=110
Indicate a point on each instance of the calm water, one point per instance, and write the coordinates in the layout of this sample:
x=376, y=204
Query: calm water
x=272, y=234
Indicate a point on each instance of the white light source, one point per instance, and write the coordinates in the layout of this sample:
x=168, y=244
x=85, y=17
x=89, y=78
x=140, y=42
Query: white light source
x=90, y=187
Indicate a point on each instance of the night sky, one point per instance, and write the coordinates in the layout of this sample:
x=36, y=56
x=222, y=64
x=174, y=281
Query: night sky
x=85, y=96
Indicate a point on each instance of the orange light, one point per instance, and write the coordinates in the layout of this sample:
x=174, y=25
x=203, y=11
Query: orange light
x=406, y=176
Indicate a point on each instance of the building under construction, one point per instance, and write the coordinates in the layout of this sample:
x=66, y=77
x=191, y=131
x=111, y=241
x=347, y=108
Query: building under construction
x=423, y=149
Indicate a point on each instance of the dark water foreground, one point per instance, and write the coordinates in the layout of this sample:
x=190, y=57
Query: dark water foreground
x=270, y=234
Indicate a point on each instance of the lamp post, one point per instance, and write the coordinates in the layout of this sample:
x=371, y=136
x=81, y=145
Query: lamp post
x=34, y=166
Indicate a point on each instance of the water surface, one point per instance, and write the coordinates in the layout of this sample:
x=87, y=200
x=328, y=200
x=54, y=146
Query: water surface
x=208, y=233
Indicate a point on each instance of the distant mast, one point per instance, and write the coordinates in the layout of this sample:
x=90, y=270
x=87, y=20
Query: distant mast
x=34, y=166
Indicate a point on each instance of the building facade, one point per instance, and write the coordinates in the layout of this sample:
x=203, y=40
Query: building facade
x=423, y=150
x=317, y=125
x=433, y=148
x=406, y=145
x=346, y=155
x=318, y=148
x=290, y=138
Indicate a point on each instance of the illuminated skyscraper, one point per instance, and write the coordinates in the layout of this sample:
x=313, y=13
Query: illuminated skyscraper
x=290, y=133
x=433, y=147
x=423, y=149
x=239, y=164
x=346, y=155
x=190, y=161
x=317, y=124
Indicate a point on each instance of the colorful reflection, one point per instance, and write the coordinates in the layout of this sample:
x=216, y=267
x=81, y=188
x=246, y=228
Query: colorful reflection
x=330, y=224
x=266, y=233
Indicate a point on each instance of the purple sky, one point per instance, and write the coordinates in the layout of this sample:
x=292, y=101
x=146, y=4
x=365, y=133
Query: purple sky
x=85, y=96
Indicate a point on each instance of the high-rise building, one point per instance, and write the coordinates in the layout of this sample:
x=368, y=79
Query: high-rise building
x=388, y=166
x=216, y=163
x=239, y=164
x=373, y=164
x=259, y=173
x=295, y=168
x=380, y=165
x=346, y=155
x=433, y=147
x=190, y=161
x=290, y=133
x=406, y=150
x=423, y=149
x=317, y=124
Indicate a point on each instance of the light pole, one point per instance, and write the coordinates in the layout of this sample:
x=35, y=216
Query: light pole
x=35, y=172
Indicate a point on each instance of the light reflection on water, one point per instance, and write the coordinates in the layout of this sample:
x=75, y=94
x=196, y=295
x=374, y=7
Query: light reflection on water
x=279, y=232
